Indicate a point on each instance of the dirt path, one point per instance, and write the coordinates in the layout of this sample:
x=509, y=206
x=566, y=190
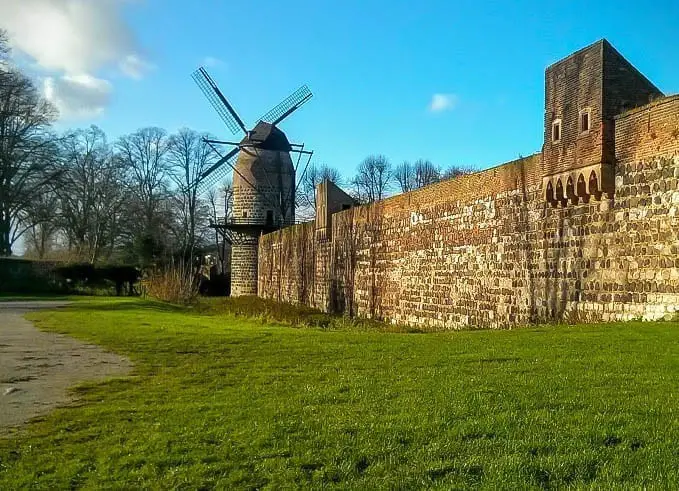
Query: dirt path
x=37, y=368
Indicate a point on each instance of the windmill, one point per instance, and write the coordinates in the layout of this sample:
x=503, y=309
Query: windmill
x=264, y=187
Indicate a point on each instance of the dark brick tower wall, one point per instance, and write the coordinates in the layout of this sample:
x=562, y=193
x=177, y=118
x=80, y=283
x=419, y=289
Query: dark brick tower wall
x=625, y=88
x=572, y=84
x=596, y=80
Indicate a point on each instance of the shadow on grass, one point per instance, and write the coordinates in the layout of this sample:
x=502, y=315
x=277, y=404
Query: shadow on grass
x=252, y=307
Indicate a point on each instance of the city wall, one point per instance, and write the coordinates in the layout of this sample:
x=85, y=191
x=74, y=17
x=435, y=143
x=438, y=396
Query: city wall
x=490, y=250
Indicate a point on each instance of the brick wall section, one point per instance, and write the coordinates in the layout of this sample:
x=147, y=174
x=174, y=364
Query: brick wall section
x=487, y=250
x=648, y=131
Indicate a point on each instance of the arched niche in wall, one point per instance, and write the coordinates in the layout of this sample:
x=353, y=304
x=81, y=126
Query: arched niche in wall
x=549, y=194
x=559, y=193
x=570, y=191
x=581, y=189
x=593, y=187
x=579, y=185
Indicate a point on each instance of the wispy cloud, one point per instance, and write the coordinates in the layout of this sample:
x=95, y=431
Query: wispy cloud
x=442, y=102
x=72, y=40
x=212, y=62
x=135, y=67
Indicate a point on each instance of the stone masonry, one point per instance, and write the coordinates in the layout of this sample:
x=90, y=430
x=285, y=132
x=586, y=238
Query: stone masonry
x=263, y=199
x=586, y=230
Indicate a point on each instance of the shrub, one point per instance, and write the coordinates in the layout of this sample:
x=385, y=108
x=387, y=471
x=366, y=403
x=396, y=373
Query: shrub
x=174, y=283
x=90, y=279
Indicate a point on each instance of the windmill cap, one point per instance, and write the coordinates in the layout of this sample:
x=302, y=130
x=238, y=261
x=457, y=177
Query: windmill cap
x=267, y=137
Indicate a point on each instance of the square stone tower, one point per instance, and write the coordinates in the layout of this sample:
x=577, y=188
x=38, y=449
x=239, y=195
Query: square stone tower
x=330, y=199
x=583, y=94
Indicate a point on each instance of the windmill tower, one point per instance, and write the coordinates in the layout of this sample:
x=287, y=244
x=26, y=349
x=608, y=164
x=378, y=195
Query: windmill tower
x=264, y=186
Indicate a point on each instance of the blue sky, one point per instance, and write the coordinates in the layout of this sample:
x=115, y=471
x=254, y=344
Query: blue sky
x=374, y=67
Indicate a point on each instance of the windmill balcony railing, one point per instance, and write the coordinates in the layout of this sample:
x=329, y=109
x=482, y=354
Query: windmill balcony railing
x=246, y=223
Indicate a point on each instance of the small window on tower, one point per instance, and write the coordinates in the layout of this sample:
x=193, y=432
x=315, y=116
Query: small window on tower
x=245, y=214
x=269, y=217
x=556, y=131
x=585, y=120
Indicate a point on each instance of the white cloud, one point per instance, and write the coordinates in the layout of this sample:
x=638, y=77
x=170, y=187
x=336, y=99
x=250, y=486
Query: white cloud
x=74, y=36
x=78, y=96
x=72, y=40
x=442, y=102
x=135, y=67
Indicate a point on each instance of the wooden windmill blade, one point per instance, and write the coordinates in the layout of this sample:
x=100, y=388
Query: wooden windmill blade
x=289, y=105
x=225, y=110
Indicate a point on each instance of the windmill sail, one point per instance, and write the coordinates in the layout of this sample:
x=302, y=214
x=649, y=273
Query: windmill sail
x=218, y=101
x=219, y=170
x=289, y=105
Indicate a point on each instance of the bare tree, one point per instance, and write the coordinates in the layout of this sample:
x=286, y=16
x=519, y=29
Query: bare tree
x=426, y=173
x=221, y=207
x=188, y=158
x=28, y=158
x=143, y=154
x=373, y=179
x=91, y=193
x=226, y=191
x=43, y=221
x=404, y=176
x=314, y=175
x=455, y=171
x=414, y=176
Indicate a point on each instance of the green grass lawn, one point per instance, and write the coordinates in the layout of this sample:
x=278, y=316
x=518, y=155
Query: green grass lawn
x=217, y=401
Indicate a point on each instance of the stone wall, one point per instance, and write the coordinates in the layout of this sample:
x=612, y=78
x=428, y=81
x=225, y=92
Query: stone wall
x=244, y=263
x=287, y=270
x=488, y=250
x=263, y=188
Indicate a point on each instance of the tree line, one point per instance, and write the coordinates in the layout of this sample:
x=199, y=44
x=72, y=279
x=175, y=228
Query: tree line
x=81, y=196
x=376, y=178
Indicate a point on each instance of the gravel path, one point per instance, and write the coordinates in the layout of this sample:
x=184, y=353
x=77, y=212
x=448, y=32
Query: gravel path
x=37, y=368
